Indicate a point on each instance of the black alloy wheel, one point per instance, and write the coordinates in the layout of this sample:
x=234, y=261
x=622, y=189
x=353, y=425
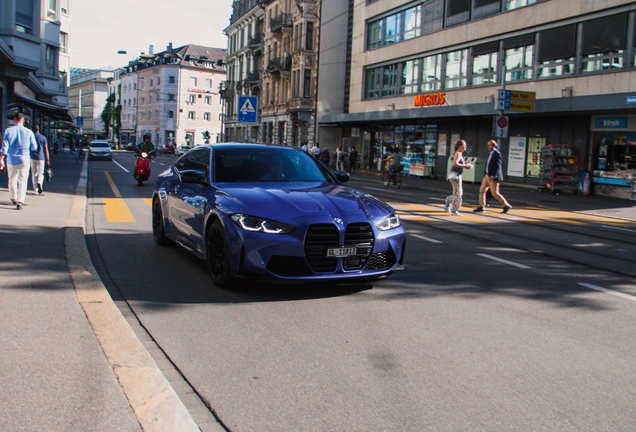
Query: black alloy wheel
x=158, y=229
x=218, y=255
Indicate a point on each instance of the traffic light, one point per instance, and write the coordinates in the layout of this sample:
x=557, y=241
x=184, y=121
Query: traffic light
x=206, y=135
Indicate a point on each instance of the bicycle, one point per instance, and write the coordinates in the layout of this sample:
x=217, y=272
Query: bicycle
x=395, y=178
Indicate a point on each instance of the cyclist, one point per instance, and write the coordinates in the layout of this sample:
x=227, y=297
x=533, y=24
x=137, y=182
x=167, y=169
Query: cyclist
x=395, y=159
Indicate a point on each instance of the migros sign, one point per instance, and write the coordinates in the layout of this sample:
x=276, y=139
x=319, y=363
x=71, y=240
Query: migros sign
x=430, y=99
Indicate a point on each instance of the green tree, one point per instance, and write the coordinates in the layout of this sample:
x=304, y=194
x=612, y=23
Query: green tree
x=111, y=115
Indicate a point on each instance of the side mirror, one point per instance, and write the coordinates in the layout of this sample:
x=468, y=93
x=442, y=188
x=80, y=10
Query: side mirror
x=342, y=176
x=192, y=176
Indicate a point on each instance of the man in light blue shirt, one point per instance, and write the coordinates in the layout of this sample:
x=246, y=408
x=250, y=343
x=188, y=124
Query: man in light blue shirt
x=17, y=145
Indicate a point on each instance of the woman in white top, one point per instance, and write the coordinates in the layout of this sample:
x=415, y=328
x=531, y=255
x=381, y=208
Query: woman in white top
x=454, y=202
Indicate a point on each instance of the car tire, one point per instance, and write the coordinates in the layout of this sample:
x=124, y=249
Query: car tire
x=218, y=255
x=158, y=227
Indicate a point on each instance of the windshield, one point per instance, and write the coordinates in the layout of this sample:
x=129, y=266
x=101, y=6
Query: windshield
x=266, y=165
x=99, y=144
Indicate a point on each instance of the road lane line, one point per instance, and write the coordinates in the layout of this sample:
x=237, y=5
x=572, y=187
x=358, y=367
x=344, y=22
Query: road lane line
x=421, y=237
x=112, y=185
x=504, y=261
x=383, y=190
x=117, y=211
x=120, y=166
x=608, y=291
x=149, y=201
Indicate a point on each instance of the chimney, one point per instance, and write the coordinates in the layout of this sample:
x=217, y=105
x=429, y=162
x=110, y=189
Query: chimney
x=169, y=49
x=151, y=49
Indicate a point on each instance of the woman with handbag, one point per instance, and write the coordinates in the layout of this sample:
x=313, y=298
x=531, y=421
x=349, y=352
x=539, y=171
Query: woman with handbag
x=454, y=201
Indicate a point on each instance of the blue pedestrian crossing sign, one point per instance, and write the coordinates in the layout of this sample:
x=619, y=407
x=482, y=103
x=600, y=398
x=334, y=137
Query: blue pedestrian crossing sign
x=247, y=109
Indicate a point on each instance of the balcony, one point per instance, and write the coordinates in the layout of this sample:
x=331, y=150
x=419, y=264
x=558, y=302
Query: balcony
x=227, y=89
x=255, y=41
x=279, y=64
x=282, y=21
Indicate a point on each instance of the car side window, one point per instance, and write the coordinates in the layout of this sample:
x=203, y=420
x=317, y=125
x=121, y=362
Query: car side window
x=198, y=160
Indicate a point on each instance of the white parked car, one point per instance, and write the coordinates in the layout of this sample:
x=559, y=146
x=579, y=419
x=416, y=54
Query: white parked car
x=100, y=149
x=182, y=149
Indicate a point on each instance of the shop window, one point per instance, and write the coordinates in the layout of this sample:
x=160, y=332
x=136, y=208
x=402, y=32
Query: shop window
x=556, y=51
x=431, y=73
x=410, y=77
x=456, y=67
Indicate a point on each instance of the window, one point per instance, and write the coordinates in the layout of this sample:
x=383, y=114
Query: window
x=406, y=24
x=515, y=4
x=393, y=29
x=373, y=82
x=208, y=100
x=390, y=80
x=134, y=118
x=518, y=57
x=456, y=66
x=193, y=81
x=134, y=101
x=157, y=114
x=208, y=83
x=457, y=12
x=134, y=86
x=143, y=116
x=142, y=84
x=170, y=114
x=207, y=116
x=307, y=84
x=485, y=57
x=158, y=81
x=63, y=42
x=431, y=73
x=64, y=6
x=51, y=9
x=484, y=8
x=191, y=115
x=143, y=100
x=309, y=37
x=410, y=76
x=171, y=97
x=192, y=99
x=149, y=99
x=604, y=43
x=149, y=115
x=50, y=61
x=171, y=79
x=556, y=51
x=150, y=83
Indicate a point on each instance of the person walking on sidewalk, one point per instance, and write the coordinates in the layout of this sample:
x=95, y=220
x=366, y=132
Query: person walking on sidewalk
x=353, y=160
x=39, y=158
x=340, y=158
x=17, y=144
x=494, y=175
x=454, y=202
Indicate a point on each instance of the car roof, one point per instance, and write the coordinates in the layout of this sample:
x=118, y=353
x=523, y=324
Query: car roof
x=248, y=145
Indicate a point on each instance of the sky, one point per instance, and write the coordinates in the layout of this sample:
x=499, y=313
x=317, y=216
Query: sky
x=100, y=29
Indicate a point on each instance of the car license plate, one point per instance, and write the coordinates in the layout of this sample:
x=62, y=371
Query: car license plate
x=341, y=252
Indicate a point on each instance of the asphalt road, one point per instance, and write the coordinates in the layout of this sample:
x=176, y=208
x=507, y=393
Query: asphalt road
x=497, y=323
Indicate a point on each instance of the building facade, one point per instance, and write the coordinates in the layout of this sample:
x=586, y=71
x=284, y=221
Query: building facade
x=30, y=63
x=272, y=46
x=174, y=96
x=87, y=99
x=418, y=76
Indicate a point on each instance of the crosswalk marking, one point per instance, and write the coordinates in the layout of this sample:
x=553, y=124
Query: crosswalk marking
x=149, y=201
x=117, y=211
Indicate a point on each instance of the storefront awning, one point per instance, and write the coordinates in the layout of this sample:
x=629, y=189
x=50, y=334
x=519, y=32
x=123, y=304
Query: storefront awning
x=50, y=110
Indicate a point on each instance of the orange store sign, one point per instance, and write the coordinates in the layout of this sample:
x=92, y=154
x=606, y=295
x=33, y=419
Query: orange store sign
x=430, y=99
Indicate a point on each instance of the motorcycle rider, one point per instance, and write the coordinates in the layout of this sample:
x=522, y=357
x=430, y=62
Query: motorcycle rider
x=146, y=146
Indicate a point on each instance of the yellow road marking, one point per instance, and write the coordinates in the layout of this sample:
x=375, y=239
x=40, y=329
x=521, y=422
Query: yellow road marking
x=116, y=210
x=112, y=185
x=149, y=201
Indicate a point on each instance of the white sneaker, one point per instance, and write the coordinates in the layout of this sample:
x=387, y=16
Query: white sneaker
x=455, y=213
x=447, y=208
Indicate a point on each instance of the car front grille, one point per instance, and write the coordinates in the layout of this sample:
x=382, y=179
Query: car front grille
x=288, y=266
x=319, y=238
x=381, y=260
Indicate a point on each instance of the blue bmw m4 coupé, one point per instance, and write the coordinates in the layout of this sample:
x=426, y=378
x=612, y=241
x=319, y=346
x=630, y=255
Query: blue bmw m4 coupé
x=273, y=213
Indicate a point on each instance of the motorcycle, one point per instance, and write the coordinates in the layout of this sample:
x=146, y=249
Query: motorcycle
x=142, y=167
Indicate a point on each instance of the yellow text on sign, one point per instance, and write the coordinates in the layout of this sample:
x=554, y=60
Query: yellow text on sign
x=523, y=96
x=521, y=106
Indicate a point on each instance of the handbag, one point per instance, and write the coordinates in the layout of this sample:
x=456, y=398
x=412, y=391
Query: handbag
x=48, y=174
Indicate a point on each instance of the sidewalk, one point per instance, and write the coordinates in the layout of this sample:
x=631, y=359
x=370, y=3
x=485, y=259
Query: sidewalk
x=69, y=360
x=515, y=194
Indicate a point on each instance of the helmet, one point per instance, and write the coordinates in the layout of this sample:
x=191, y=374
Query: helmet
x=146, y=136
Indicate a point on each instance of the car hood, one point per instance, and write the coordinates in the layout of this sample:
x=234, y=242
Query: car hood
x=280, y=201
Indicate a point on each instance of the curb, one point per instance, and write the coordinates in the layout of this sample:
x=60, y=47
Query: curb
x=152, y=399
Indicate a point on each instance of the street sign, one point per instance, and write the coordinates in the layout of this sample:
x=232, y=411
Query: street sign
x=515, y=100
x=247, y=109
x=80, y=121
x=501, y=126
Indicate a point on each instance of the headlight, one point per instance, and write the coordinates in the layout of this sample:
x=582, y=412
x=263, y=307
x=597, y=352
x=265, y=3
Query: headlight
x=388, y=222
x=252, y=223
